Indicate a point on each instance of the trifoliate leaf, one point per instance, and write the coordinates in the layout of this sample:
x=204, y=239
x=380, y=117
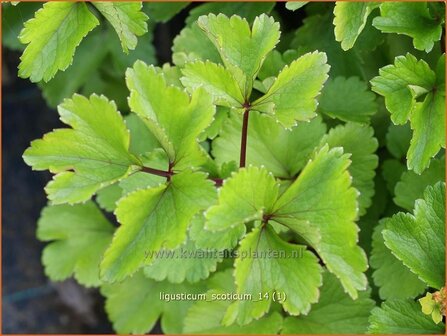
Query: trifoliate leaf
x=187, y=262
x=402, y=317
x=177, y=129
x=360, y=142
x=216, y=80
x=293, y=272
x=192, y=44
x=403, y=85
x=90, y=156
x=419, y=240
x=398, y=140
x=246, y=196
x=360, y=106
x=247, y=10
x=282, y=152
x=321, y=206
x=349, y=21
x=224, y=239
x=134, y=305
x=404, y=283
x=411, y=186
x=334, y=313
x=240, y=47
x=152, y=219
x=127, y=19
x=291, y=98
x=411, y=19
x=79, y=235
x=52, y=37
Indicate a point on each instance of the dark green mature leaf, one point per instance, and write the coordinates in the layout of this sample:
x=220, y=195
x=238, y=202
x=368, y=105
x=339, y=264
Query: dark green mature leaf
x=402, y=317
x=419, y=240
x=163, y=11
x=334, y=313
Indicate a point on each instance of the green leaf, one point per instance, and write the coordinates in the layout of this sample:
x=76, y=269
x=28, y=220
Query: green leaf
x=247, y=10
x=225, y=239
x=392, y=171
x=419, y=240
x=13, y=17
x=135, y=304
x=127, y=19
x=403, y=284
x=246, y=196
x=163, y=11
x=192, y=44
x=321, y=206
x=186, y=262
x=411, y=186
x=398, y=140
x=52, y=37
x=292, y=95
x=108, y=196
x=89, y=56
x=350, y=19
x=282, y=152
x=88, y=157
x=411, y=91
x=360, y=142
x=216, y=80
x=402, y=317
x=334, y=313
x=79, y=236
x=241, y=48
x=294, y=272
x=411, y=19
x=295, y=5
x=177, y=129
x=152, y=219
x=360, y=105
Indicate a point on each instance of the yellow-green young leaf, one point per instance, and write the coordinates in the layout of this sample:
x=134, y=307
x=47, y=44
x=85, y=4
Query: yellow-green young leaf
x=282, y=152
x=266, y=264
x=404, y=283
x=223, y=240
x=241, y=48
x=334, y=313
x=412, y=19
x=402, y=317
x=187, y=262
x=152, y=219
x=127, y=19
x=52, y=37
x=349, y=21
x=175, y=118
x=294, y=5
x=216, y=80
x=321, y=206
x=205, y=317
x=359, y=141
x=79, y=235
x=291, y=97
x=360, y=105
x=135, y=304
x=419, y=240
x=414, y=92
x=91, y=155
x=247, y=195
x=411, y=185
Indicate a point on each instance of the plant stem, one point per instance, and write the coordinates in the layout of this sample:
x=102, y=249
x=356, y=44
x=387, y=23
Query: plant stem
x=157, y=172
x=244, y=135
